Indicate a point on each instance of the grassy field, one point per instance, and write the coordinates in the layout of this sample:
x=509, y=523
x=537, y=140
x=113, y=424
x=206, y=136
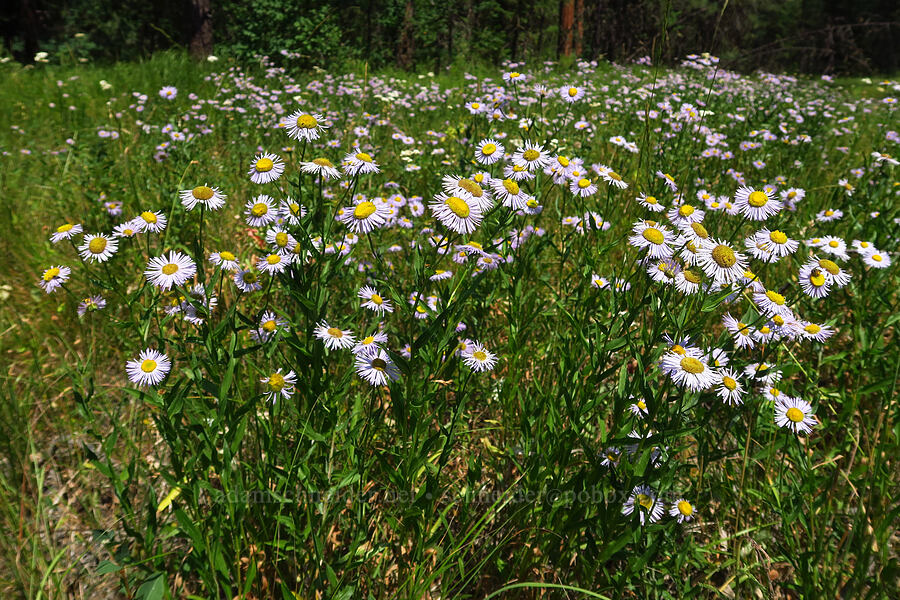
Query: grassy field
x=573, y=393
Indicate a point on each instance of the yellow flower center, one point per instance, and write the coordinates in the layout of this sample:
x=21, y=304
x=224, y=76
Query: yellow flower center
x=250, y=278
x=64, y=228
x=323, y=162
x=830, y=266
x=148, y=366
x=765, y=330
x=573, y=91
x=650, y=200
x=511, y=186
x=692, y=365
x=202, y=192
x=421, y=310
x=794, y=414
x=259, y=209
x=169, y=269
x=724, y=256
x=476, y=245
x=876, y=257
x=479, y=355
x=488, y=149
x=364, y=156
x=269, y=325
x=368, y=340
x=729, y=383
x=583, y=183
x=376, y=299
x=281, y=239
x=653, y=235
x=294, y=208
x=686, y=210
x=757, y=199
x=226, y=255
x=531, y=154
x=792, y=194
x=264, y=164
x=700, y=230
x=778, y=237
x=812, y=328
x=471, y=187
x=531, y=203
x=778, y=320
x=306, y=122
x=645, y=501
x=775, y=297
x=479, y=177
x=273, y=259
x=642, y=405
x=742, y=329
x=685, y=508
x=276, y=382
x=861, y=244
x=691, y=276
x=458, y=206
x=617, y=177
x=677, y=349
x=379, y=364
x=97, y=245
x=364, y=210
x=817, y=278
x=829, y=212
x=51, y=273
x=562, y=160
x=833, y=244
x=335, y=332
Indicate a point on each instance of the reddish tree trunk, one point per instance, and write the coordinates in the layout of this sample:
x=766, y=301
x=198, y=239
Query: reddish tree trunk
x=405, y=51
x=566, y=20
x=579, y=27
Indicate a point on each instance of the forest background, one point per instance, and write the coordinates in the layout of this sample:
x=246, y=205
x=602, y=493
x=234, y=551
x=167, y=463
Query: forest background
x=815, y=36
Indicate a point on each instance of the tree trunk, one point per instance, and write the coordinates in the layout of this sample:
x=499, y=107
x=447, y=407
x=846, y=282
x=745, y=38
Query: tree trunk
x=201, y=44
x=566, y=19
x=29, y=23
x=406, y=49
x=579, y=27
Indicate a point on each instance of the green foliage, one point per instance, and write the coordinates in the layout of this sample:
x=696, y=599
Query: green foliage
x=445, y=482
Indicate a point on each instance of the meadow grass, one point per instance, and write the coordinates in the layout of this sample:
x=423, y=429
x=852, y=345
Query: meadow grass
x=446, y=482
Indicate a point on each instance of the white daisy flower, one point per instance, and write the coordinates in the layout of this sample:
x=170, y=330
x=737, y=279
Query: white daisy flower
x=812, y=331
x=167, y=271
x=729, y=388
x=247, y=280
x=334, y=338
x=682, y=510
x=689, y=371
x=374, y=301
x=376, y=368
x=459, y=186
x=98, y=247
x=835, y=246
x=365, y=216
x=488, y=151
x=571, y=93
x=656, y=238
x=265, y=168
x=322, y=167
x=128, y=229
x=210, y=197
x=756, y=205
x=721, y=263
x=269, y=325
x=274, y=263
x=878, y=260
x=359, y=163
x=279, y=386
x=370, y=343
x=479, y=358
x=458, y=213
x=65, y=232
x=650, y=203
x=260, y=211
x=225, y=260
x=685, y=214
x=54, y=277
x=149, y=369
x=740, y=332
x=643, y=499
x=303, y=126
x=532, y=157
x=795, y=414
x=509, y=193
